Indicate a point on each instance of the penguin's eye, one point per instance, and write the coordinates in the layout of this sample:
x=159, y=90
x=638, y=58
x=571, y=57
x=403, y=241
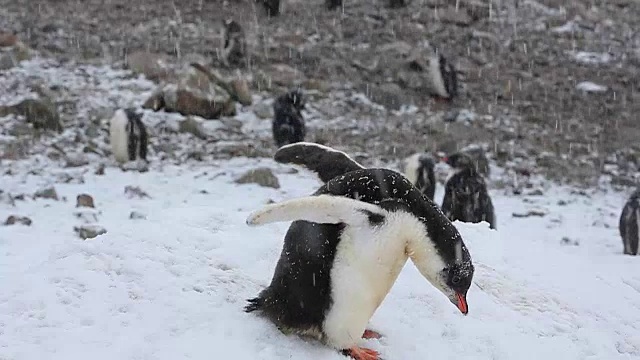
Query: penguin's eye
x=455, y=279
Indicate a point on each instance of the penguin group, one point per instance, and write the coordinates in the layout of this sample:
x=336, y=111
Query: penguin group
x=466, y=197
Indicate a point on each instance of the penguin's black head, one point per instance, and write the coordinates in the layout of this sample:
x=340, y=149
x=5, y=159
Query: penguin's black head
x=460, y=161
x=427, y=162
x=132, y=114
x=296, y=98
x=232, y=26
x=458, y=279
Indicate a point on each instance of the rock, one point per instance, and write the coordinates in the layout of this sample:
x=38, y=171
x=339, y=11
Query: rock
x=462, y=115
x=192, y=126
x=13, y=56
x=89, y=231
x=285, y=75
x=538, y=213
x=263, y=110
x=388, y=95
x=100, y=170
x=241, y=91
x=566, y=241
x=15, y=219
x=87, y=216
x=454, y=16
x=76, y=160
x=191, y=102
x=152, y=65
x=48, y=193
x=7, y=198
x=84, y=200
x=42, y=114
x=135, y=192
x=589, y=87
x=8, y=39
x=137, y=216
x=261, y=176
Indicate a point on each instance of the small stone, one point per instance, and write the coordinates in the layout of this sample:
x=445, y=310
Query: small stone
x=89, y=231
x=562, y=203
x=8, y=39
x=153, y=65
x=261, y=176
x=135, y=192
x=76, y=160
x=263, y=110
x=242, y=93
x=15, y=219
x=48, y=193
x=100, y=169
x=84, y=200
x=192, y=126
x=530, y=213
x=454, y=16
x=137, y=216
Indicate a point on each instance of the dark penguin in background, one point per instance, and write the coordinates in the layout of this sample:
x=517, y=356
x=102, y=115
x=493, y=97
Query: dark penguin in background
x=465, y=195
x=333, y=4
x=347, y=245
x=630, y=224
x=272, y=7
x=419, y=169
x=234, y=49
x=128, y=136
x=288, y=124
x=443, y=77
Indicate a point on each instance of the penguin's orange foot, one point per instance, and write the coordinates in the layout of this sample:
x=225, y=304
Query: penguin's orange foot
x=370, y=334
x=359, y=353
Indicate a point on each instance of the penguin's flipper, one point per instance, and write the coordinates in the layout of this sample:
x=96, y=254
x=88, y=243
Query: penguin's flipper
x=326, y=162
x=322, y=209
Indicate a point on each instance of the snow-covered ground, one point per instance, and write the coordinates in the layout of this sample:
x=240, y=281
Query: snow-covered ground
x=173, y=285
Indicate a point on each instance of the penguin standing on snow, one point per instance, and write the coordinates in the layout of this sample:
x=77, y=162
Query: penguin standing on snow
x=288, y=124
x=347, y=245
x=629, y=225
x=128, y=136
x=419, y=169
x=465, y=195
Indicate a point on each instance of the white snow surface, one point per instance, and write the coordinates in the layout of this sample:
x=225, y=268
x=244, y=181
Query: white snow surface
x=173, y=285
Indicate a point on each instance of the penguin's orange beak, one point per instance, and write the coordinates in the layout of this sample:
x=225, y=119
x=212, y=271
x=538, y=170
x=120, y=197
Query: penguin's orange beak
x=462, y=303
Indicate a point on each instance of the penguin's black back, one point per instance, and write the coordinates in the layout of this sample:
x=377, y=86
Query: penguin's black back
x=300, y=292
x=466, y=198
x=288, y=124
x=628, y=224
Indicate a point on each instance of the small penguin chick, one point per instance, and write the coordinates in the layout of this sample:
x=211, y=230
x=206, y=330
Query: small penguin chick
x=629, y=224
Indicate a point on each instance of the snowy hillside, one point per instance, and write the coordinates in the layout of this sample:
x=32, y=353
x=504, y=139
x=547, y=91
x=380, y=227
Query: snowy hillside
x=171, y=283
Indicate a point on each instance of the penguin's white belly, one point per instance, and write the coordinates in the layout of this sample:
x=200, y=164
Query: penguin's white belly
x=365, y=267
x=119, y=137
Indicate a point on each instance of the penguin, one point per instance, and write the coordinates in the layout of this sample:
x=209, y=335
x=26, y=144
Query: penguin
x=333, y=4
x=288, y=124
x=443, y=77
x=346, y=247
x=234, y=49
x=465, y=194
x=419, y=169
x=629, y=225
x=128, y=136
x=272, y=7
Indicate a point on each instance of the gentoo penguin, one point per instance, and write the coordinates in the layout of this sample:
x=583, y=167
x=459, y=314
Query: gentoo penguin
x=333, y=4
x=233, y=51
x=465, y=194
x=346, y=247
x=443, y=77
x=271, y=6
x=288, y=124
x=630, y=224
x=128, y=136
x=419, y=169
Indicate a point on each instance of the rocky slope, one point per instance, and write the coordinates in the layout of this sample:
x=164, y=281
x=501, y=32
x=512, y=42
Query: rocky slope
x=546, y=85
